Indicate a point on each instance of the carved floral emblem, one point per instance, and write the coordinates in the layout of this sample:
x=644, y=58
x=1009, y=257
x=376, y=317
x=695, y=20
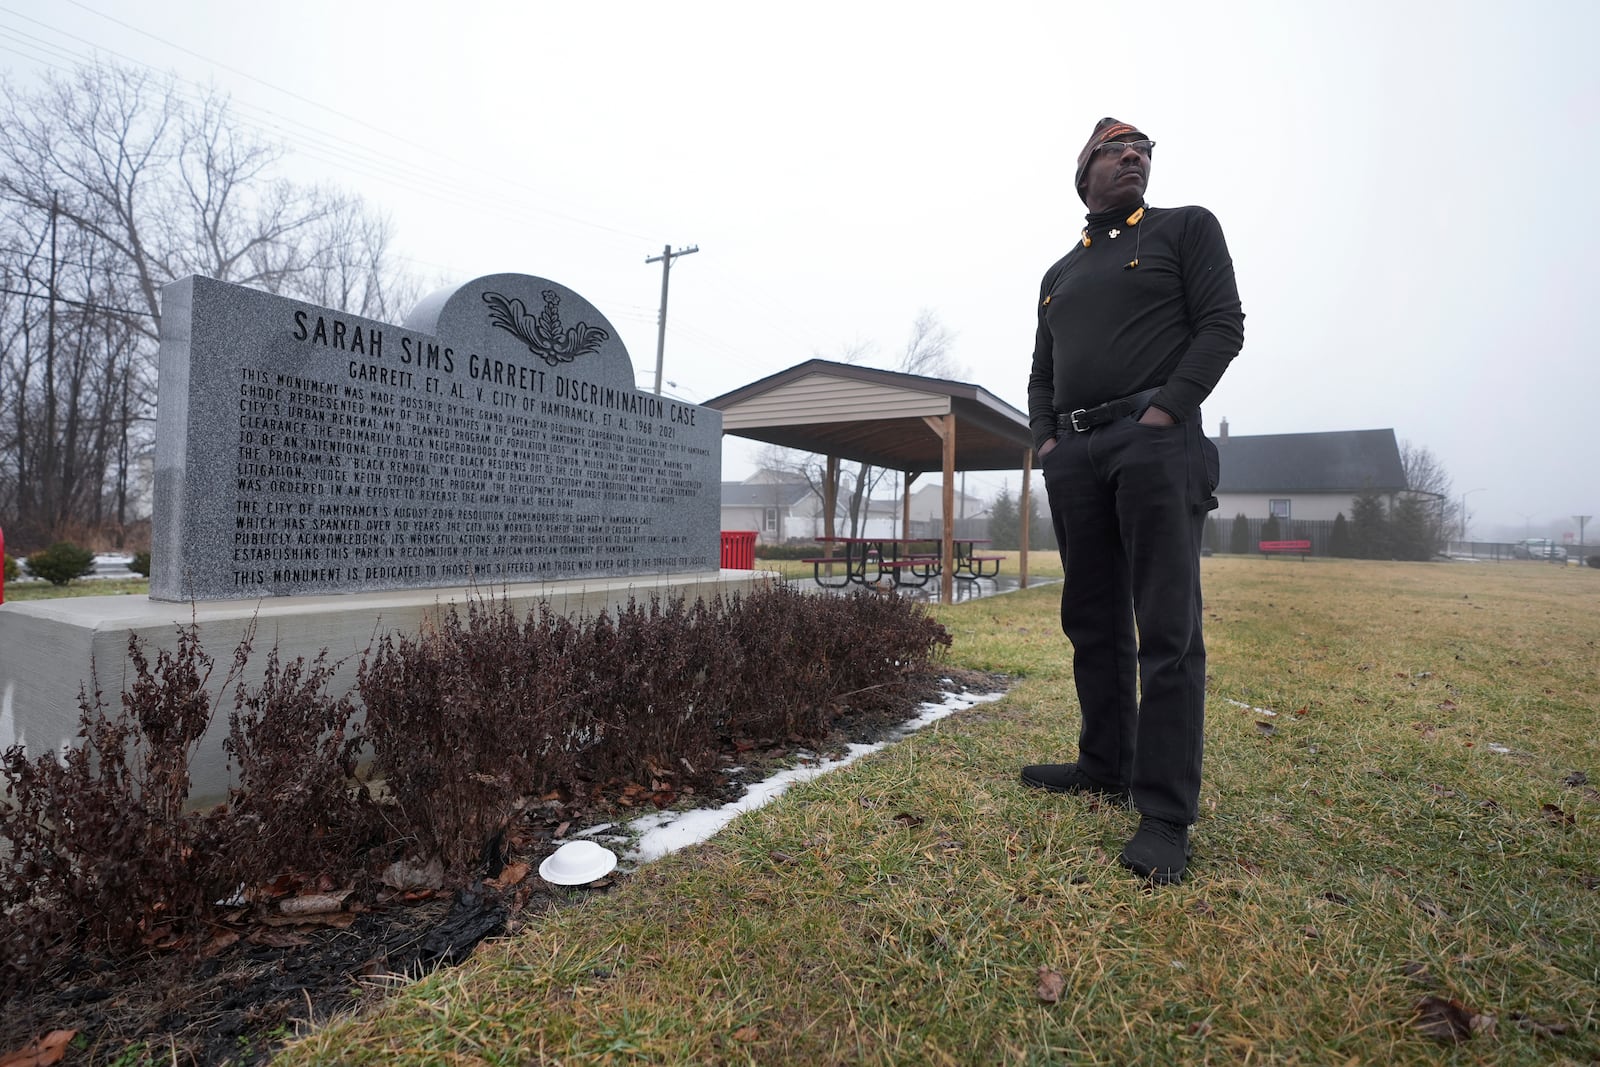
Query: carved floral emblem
x=544, y=335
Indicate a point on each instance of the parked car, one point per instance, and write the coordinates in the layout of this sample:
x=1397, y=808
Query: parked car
x=1538, y=548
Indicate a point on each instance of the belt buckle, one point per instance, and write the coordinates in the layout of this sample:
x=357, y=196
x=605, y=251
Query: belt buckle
x=1074, y=418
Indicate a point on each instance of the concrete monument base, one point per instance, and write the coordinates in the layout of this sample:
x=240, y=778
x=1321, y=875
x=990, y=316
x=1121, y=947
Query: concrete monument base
x=51, y=648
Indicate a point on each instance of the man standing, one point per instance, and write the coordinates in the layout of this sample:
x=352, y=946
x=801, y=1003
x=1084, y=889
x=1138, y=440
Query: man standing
x=1136, y=325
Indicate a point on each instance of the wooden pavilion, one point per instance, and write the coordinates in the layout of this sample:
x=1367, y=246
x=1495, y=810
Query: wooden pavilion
x=903, y=422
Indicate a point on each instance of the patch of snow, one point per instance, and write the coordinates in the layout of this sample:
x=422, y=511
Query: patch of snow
x=661, y=833
x=1248, y=707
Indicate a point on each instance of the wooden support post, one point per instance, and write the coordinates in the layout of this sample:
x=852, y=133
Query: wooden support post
x=830, y=501
x=1023, y=507
x=905, y=528
x=947, y=555
x=946, y=429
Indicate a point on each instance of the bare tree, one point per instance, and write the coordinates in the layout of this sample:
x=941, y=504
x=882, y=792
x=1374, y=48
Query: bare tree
x=927, y=350
x=927, y=353
x=114, y=182
x=1426, y=477
x=351, y=264
x=812, y=469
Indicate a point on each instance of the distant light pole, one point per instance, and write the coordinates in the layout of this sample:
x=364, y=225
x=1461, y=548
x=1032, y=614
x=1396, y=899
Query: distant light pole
x=1582, y=521
x=1464, y=496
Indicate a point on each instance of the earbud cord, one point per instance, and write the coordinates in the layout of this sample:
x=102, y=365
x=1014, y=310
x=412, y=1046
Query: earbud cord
x=1132, y=220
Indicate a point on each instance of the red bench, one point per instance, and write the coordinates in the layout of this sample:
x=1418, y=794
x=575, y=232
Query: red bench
x=1285, y=548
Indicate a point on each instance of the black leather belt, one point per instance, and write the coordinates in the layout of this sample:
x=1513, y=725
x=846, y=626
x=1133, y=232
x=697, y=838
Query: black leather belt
x=1085, y=419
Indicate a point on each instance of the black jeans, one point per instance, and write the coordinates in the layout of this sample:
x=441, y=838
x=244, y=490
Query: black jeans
x=1129, y=503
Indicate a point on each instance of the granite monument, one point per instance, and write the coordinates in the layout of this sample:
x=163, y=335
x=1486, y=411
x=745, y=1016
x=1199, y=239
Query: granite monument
x=496, y=437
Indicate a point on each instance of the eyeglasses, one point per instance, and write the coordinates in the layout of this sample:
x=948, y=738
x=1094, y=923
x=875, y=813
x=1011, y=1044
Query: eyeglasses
x=1144, y=148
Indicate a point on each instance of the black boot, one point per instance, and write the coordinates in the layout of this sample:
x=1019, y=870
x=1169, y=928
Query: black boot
x=1067, y=778
x=1159, y=851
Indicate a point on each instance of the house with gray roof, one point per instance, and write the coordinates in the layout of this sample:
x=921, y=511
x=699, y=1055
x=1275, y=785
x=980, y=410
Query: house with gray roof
x=1306, y=475
x=777, y=509
x=782, y=506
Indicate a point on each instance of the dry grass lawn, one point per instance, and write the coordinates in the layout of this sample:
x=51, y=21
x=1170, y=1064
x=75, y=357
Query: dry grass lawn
x=1419, y=820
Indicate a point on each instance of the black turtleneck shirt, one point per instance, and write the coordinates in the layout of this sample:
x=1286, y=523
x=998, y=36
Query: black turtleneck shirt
x=1107, y=331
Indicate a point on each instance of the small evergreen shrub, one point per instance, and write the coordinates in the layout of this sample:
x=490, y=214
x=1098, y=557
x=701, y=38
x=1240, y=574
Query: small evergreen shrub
x=1339, y=540
x=788, y=551
x=1369, y=527
x=1270, y=530
x=1594, y=561
x=1239, y=536
x=60, y=563
x=140, y=564
x=11, y=571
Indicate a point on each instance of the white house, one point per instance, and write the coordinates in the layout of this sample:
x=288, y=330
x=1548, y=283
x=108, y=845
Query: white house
x=782, y=506
x=1305, y=475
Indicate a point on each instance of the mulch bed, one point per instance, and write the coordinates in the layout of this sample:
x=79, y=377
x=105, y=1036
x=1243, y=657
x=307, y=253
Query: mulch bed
x=262, y=975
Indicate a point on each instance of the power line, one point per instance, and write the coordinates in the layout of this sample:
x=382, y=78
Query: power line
x=353, y=156
x=77, y=303
x=245, y=74
x=405, y=164
x=340, y=153
x=99, y=269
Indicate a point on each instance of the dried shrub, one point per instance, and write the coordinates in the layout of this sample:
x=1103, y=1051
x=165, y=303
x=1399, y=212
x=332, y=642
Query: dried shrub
x=778, y=683
x=790, y=550
x=797, y=657
x=99, y=850
x=479, y=711
x=643, y=684
x=482, y=710
x=455, y=717
x=299, y=806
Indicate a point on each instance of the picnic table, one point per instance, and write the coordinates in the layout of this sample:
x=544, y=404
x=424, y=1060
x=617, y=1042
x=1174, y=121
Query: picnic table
x=910, y=561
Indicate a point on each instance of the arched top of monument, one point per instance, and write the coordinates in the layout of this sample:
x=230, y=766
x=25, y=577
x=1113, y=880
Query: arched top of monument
x=521, y=319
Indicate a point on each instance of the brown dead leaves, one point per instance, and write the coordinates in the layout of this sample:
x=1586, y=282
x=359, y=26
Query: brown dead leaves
x=1557, y=816
x=1050, y=986
x=308, y=906
x=413, y=875
x=661, y=792
x=41, y=1053
x=1447, y=1019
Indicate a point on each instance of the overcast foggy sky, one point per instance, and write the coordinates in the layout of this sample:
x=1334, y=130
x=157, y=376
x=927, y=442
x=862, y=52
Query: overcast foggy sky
x=1405, y=186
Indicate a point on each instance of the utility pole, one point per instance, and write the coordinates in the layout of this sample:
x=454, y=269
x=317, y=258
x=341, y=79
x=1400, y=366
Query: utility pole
x=1582, y=521
x=665, y=259
x=50, y=488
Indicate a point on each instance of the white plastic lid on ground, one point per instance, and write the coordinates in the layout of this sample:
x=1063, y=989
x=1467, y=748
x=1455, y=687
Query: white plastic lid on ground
x=577, y=863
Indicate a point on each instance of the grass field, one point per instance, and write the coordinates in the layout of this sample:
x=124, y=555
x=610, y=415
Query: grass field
x=20, y=591
x=1413, y=823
